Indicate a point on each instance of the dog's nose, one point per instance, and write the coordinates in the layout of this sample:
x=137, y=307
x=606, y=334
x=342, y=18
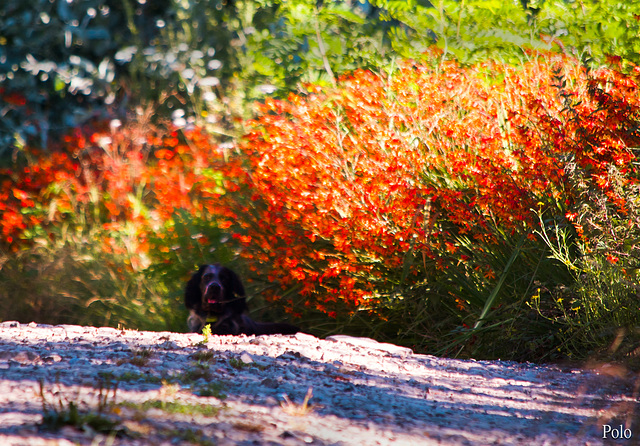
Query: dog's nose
x=214, y=288
x=213, y=292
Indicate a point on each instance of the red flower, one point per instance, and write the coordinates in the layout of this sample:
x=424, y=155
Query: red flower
x=612, y=259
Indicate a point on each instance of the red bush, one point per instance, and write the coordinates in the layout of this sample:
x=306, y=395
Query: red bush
x=133, y=176
x=346, y=184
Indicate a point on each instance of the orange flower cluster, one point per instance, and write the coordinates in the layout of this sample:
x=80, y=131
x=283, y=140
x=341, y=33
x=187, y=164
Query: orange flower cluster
x=117, y=177
x=348, y=184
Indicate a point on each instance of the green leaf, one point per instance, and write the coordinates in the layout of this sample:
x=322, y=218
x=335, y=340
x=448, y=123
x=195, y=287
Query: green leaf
x=345, y=14
x=494, y=294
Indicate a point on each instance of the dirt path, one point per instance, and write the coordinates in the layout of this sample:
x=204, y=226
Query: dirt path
x=169, y=388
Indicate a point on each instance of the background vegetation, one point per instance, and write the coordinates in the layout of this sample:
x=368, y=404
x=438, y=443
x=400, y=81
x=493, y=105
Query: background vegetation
x=456, y=176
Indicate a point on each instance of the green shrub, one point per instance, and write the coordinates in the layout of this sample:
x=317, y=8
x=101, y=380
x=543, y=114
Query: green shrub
x=598, y=315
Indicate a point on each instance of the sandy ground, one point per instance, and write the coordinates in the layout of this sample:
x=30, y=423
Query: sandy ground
x=101, y=386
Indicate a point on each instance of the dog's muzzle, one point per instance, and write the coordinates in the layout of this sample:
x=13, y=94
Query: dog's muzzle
x=212, y=293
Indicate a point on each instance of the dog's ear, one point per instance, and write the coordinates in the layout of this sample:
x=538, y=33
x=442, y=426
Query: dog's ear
x=235, y=282
x=192, y=294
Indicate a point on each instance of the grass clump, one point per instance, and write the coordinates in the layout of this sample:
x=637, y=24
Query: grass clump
x=197, y=372
x=202, y=356
x=55, y=419
x=214, y=389
x=194, y=373
x=139, y=358
x=141, y=377
x=239, y=364
x=174, y=407
x=596, y=314
x=57, y=416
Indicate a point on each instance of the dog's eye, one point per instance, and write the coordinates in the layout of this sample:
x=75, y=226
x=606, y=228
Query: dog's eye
x=207, y=276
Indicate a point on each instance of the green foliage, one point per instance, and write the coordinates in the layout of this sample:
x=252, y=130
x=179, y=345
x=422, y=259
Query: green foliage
x=74, y=280
x=71, y=279
x=461, y=312
x=218, y=57
x=184, y=69
x=58, y=68
x=598, y=314
x=473, y=30
x=64, y=64
x=313, y=41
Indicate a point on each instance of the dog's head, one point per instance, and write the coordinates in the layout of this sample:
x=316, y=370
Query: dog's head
x=212, y=287
x=215, y=296
x=218, y=285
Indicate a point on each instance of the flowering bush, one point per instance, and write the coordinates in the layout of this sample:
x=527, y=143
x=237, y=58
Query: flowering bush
x=391, y=180
x=114, y=177
x=110, y=203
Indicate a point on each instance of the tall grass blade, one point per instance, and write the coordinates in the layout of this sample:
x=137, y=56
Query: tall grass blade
x=496, y=290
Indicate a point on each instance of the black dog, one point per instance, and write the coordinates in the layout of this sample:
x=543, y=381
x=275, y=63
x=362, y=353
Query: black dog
x=215, y=296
